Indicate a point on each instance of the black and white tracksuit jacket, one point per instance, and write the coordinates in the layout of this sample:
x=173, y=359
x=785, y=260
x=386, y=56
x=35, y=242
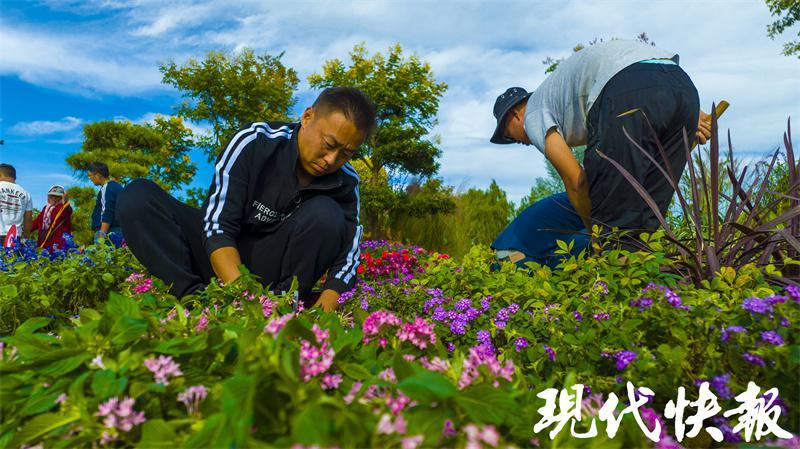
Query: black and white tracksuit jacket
x=255, y=188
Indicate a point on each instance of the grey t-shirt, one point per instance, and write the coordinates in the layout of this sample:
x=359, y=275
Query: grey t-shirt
x=563, y=100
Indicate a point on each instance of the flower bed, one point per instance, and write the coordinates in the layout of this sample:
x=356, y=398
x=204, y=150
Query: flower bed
x=427, y=351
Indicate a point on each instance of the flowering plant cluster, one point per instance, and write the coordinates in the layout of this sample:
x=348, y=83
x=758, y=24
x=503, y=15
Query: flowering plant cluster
x=426, y=351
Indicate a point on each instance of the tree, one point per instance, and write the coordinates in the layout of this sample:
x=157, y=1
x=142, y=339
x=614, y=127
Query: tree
x=407, y=96
x=230, y=91
x=158, y=151
x=788, y=13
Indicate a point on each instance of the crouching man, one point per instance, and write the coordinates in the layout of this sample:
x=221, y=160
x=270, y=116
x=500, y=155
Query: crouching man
x=283, y=201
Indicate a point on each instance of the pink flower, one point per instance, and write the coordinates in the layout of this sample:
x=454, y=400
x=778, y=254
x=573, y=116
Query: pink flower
x=120, y=414
x=351, y=395
x=267, y=306
x=331, y=381
x=106, y=438
x=387, y=375
x=388, y=427
x=373, y=323
x=469, y=371
x=419, y=333
x=192, y=397
x=316, y=360
x=487, y=434
x=396, y=405
x=436, y=364
x=163, y=368
x=61, y=398
x=275, y=326
x=412, y=442
x=202, y=322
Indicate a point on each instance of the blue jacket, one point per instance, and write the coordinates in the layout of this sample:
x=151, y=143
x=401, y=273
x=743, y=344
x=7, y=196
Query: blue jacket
x=106, y=205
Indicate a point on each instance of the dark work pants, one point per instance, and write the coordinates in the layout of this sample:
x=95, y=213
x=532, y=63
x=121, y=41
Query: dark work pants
x=165, y=235
x=666, y=95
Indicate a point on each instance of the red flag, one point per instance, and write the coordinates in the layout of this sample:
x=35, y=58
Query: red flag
x=12, y=234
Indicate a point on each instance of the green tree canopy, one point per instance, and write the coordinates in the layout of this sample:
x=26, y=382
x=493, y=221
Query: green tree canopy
x=788, y=14
x=229, y=91
x=407, y=96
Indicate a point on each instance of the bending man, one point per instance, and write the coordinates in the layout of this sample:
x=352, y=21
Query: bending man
x=588, y=100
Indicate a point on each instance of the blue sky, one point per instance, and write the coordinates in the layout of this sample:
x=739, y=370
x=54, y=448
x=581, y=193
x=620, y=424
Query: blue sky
x=65, y=63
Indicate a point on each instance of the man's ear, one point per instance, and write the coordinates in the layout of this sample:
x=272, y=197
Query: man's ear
x=308, y=115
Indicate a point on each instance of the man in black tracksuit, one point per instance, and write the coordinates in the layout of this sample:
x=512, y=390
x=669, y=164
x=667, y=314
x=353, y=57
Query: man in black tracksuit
x=283, y=201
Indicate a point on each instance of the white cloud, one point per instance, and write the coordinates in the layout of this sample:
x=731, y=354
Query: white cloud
x=478, y=48
x=43, y=127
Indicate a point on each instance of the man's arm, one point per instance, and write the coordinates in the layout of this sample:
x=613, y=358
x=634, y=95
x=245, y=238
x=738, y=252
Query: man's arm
x=225, y=261
x=560, y=155
x=27, y=223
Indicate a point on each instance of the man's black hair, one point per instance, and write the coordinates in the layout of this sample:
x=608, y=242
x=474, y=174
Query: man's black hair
x=99, y=168
x=8, y=170
x=353, y=103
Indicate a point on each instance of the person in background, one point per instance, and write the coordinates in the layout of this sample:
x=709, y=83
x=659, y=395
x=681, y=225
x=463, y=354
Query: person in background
x=104, y=218
x=16, y=204
x=54, y=220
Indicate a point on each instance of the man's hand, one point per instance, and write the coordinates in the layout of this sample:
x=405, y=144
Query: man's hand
x=225, y=262
x=328, y=300
x=703, y=128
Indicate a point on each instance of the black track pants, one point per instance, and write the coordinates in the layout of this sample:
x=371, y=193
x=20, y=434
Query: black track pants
x=668, y=99
x=165, y=235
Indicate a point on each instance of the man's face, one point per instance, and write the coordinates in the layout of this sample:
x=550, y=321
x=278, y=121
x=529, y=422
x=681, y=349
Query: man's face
x=95, y=178
x=515, y=125
x=326, y=141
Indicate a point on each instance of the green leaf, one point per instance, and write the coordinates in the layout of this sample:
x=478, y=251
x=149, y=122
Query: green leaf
x=427, y=386
x=180, y=345
x=64, y=366
x=105, y=384
x=127, y=329
x=295, y=328
x=108, y=278
x=483, y=403
x=31, y=325
x=157, y=434
x=120, y=306
x=39, y=404
x=9, y=291
x=355, y=371
x=41, y=426
x=402, y=369
x=311, y=426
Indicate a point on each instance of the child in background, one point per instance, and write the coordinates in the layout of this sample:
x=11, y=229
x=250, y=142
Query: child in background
x=54, y=220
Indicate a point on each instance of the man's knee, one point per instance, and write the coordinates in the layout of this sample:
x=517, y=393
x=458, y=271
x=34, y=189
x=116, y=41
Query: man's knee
x=321, y=215
x=135, y=196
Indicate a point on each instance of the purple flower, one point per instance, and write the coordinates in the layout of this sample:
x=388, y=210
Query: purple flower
x=163, y=368
x=550, y=353
x=120, y=414
x=784, y=322
x=502, y=315
x=754, y=359
x=463, y=304
x=450, y=346
x=726, y=331
x=192, y=397
x=757, y=305
x=520, y=343
x=513, y=308
x=484, y=337
x=727, y=431
x=331, y=381
x=485, y=303
x=772, y=338
x=642, y=303
x=794, y=292
x=600, y=316
x=720, y=385
x=577, y=315
x=601, y=288
x=624, y=358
